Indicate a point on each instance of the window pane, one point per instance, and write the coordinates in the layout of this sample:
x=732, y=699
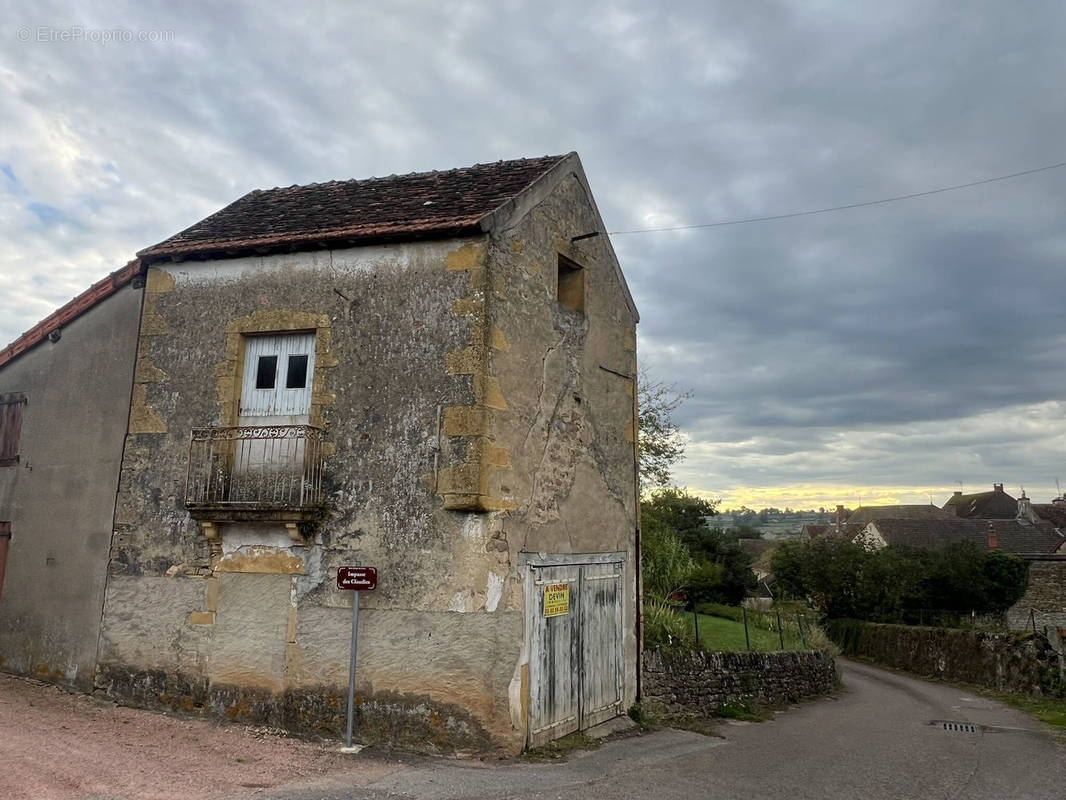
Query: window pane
x=266, y=373
x=296, y=377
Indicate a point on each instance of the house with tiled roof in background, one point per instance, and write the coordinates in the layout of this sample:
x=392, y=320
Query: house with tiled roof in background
x=990, y=520
x=996, y=504
x=432, y=374
x=1010, y=536
x=1017, y=525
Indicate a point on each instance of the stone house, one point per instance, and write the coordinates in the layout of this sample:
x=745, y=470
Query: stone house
x=433, y=374
x=1008, y=535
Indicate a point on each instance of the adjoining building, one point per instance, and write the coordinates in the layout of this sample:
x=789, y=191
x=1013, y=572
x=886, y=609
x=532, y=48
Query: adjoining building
x=433, y=374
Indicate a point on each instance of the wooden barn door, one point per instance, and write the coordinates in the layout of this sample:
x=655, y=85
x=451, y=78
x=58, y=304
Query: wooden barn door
x=575, y=659
x=600, y=610
x=554, y=656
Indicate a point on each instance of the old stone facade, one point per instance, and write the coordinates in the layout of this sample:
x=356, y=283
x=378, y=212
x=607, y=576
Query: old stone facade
x=471, y=418
x=1043, y=606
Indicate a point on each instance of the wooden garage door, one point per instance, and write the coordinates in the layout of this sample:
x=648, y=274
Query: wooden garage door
x=575, y=660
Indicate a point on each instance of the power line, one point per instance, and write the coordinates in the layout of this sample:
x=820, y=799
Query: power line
x=813, y=211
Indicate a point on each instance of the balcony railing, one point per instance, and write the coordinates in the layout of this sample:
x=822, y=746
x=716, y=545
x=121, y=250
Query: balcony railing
x=255, y=468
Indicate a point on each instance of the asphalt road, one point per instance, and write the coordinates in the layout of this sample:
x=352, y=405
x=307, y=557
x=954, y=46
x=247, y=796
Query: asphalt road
x=880, y=739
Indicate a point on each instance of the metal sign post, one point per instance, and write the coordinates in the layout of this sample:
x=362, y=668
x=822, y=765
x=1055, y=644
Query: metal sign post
x=356, y=579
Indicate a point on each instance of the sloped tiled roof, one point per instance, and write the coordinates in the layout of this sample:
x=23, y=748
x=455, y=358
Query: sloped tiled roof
x=983, y=505
x=1012, y=536
x=1055, y=513
x=396, y=208
x=864, y=514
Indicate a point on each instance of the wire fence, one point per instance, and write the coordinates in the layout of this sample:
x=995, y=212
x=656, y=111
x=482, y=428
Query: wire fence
x=731, y=628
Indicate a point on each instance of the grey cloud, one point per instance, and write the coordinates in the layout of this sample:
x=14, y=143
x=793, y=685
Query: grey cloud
x=796, y=336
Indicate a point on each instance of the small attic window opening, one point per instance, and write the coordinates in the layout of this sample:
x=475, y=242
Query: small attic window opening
x=570, y=288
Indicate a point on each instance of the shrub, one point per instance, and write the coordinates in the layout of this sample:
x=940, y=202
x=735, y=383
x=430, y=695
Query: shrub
x=898, y=583
x=664, y=626
x=664, y=559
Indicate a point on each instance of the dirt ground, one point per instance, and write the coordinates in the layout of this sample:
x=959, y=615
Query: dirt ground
x=60, y=746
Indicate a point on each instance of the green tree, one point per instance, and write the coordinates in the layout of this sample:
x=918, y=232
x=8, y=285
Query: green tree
x=969, y=578
x=722, y=570
x=824, y=572
x=724, y=573
x=683, y=512
x=660, y=442
x=1008, y=577
x=897, y=584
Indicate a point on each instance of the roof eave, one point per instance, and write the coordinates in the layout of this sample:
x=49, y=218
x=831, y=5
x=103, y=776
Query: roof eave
x=222, y=250
x=70, y=311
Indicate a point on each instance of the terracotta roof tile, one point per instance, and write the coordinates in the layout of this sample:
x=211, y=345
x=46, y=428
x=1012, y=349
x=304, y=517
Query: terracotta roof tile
x=399, y=207
x=75, y=308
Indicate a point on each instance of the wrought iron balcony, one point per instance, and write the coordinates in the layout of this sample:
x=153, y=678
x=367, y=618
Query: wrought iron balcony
x=271, y=472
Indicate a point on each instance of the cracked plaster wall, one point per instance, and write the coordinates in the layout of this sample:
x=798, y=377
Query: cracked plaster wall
x=245, y=612
x=568, y=425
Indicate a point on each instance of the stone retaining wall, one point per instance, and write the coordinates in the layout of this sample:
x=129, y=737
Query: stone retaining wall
x=1005, y=661
x=682, y=682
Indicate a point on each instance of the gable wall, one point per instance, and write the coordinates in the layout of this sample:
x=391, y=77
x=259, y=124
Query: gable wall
x=60, y=497
x=563, y=421
x=870, y=538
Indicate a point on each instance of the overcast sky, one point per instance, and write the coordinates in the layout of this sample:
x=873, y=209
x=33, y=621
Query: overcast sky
x=882, y=353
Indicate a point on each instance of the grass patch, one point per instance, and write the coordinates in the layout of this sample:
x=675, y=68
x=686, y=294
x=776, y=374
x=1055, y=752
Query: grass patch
x=560, y=749
x=718, y=633
x=1049, y=710
x=743, y=711
x=694, y=723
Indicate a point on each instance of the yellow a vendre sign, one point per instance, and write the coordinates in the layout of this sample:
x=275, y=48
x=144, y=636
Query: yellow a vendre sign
x=556, y=599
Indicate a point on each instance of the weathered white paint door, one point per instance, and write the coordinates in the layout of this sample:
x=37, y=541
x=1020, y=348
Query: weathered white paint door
x=267, y=460
x=276, y=388
x=575, y=659
x=601, y=643
x=554, y=658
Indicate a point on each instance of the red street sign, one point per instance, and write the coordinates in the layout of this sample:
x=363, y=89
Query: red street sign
x=360, y=579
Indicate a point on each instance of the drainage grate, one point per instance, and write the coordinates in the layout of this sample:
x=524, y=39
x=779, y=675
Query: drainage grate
x=957, y=727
